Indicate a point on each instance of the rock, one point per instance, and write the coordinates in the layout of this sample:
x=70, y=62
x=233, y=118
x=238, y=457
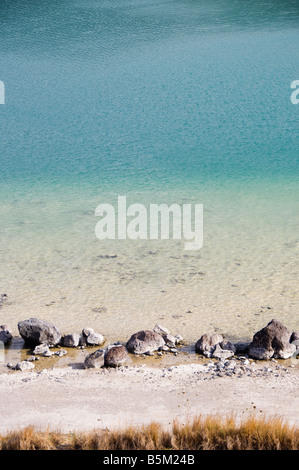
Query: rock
x=115, y=356
x=161, y=330
x=95, y=339
x=70, y=341
x=230, y=364
x=227, y=345
x=3, y=299
x=207, y=344
x=272, y=341
x=48, y=353
x=87, y=331
x=32, y=358
x=42, y=350
x=83, y=341
x=94, y=360
x=220, y=353
x=145, y=341
x=169, y=340
x=60, y=353
x=241, y=347
x=294, y=336
x=5, y=334
x=178, y=339
x=35, y=331
x=24, y=365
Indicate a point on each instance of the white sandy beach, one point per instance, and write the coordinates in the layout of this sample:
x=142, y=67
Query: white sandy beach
x=79, y=400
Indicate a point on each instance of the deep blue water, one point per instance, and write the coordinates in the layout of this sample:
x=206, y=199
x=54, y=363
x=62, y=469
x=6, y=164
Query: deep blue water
x=160, y=100
x=148, y=91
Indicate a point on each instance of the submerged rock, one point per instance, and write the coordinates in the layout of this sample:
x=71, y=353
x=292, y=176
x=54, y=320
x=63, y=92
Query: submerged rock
x=35, y=331
x=272, y=341
x=3, y=299
x=145, y=341
x=5, y=334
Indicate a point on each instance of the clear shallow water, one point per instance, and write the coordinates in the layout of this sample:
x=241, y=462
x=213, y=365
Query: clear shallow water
x=177, y=101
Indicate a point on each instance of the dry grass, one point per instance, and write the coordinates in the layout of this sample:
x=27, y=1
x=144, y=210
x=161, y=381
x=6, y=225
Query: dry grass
x=209, y=433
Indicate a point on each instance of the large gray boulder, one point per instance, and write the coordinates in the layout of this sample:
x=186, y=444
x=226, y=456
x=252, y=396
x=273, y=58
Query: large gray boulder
x=5, y=334
x=94, y=360
x=116, y=355
x=207, y=343
x=35, y=331
x=272, y=341
x=145, y=341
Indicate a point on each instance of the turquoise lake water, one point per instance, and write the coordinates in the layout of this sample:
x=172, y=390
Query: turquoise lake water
x=178, y=101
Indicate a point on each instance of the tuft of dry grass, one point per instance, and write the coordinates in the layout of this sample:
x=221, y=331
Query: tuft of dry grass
x=203, y=433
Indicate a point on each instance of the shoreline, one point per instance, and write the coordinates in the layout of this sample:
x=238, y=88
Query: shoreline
x=156, y=382
x=78, y=400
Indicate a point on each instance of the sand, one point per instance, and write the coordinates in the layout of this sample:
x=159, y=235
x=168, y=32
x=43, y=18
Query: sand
x=67, y=399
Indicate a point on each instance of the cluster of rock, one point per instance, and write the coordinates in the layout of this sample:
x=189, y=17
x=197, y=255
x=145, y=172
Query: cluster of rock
x=144, y=342
x=35, y=332
x=147, y=341
x=115, y=355
x=44, y=335
x=272, y=341
x=241, y=367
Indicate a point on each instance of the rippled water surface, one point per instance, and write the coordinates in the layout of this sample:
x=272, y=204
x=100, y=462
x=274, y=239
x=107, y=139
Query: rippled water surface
x=165, y=102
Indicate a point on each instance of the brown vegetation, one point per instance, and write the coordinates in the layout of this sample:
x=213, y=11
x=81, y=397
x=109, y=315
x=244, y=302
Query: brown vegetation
x=209, y=433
